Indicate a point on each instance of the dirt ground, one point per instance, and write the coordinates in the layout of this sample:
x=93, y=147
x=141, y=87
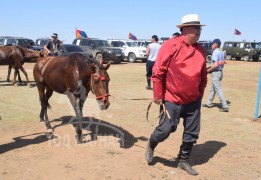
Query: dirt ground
x=229, y=145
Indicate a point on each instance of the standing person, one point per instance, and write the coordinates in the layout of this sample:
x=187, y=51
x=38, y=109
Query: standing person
x=179, y=80
x=176, y=34
x=216, y=70
x=53, y=46
x=152, y=52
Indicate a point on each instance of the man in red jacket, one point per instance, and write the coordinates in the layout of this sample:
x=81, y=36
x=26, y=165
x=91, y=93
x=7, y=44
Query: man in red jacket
x=179, y=81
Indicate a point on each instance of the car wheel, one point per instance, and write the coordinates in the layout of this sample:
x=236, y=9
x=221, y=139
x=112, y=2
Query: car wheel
x=246, y=58
x=228, y=57
x=117, y=61
x=255, y=58
x=98, y=57
x=208, y=58
x=132, y=57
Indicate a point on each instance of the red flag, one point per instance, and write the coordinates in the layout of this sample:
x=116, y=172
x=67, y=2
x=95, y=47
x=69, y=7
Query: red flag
x=237, y=32
x=131, y=36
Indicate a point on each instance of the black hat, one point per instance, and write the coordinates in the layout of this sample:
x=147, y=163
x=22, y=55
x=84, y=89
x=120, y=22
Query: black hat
x=55, y=35
x=216, y=41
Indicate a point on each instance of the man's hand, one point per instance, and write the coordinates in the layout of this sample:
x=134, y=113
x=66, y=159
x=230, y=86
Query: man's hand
x=158, y=101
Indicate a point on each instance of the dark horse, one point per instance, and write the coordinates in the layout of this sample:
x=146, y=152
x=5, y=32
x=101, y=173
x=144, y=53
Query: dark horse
x=75, y=76
x=16, y=56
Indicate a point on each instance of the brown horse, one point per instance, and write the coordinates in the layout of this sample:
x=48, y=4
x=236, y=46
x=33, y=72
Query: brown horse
x=16, y=56
x=75, y=76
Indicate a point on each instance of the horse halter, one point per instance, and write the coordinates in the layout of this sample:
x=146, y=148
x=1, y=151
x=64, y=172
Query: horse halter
x=103, y=97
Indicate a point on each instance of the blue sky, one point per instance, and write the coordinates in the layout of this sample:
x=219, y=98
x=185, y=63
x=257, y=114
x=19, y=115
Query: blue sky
x=115, y=19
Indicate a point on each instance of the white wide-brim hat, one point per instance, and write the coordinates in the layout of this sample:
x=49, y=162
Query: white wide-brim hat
x=190, y=20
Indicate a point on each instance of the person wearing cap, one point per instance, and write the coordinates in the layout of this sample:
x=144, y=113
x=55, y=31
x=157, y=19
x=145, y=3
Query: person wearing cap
x=216, y=70
x=53, y=46
x=152, y=52
x=179, y=80
x=176, y=34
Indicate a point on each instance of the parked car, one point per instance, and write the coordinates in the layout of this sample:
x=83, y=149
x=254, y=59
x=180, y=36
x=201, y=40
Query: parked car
x=68, y=49
x=96, y=47
x=242, y=50
x=208, y=51
x=19, y=41
x=131, y=50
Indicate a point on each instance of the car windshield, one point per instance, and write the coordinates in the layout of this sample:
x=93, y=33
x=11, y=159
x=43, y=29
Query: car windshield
x=102, y=43
x=71, y=48
x=132, y=44
x=206, y=45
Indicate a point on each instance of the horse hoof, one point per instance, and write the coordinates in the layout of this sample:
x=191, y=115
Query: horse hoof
x=15, y=85
x=49, y=135
x=79, y=139
x=42, y=123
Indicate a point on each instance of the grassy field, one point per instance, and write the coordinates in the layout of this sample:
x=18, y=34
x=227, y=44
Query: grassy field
x=115, y=140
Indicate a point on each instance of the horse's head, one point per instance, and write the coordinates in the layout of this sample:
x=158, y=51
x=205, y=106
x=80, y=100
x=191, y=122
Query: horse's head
x=43, y=53
x=100, y=85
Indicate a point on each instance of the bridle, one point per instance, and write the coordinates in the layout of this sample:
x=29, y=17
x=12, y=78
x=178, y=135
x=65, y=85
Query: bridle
x=102, y=97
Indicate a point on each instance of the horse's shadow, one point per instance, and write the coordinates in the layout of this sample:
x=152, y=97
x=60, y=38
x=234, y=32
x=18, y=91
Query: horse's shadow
x=20, y=142
x=98, y=127
x=201, y=154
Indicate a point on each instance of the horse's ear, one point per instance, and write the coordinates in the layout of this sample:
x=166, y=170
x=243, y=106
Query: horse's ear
x=107, y=65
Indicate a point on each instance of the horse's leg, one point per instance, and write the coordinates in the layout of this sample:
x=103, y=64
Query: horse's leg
x=41, y=89
x=9, y=72
x=48, y=94
x=77, y=108
x=25, y=73
x=18, y=73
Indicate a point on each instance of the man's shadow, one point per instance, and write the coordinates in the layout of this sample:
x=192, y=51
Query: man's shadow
x=100, y=128
x=219, y=105
x=201, y=154
x=20, y=142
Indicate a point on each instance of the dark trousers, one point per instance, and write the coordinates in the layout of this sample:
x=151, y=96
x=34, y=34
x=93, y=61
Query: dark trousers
x=149, y=66
x=191, y=115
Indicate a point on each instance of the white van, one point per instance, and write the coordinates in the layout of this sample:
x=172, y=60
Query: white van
x=131, y=50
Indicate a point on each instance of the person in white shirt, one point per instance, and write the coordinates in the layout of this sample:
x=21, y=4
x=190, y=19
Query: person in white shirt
x=152, y=52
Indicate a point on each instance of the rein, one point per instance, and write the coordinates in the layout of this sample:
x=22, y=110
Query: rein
x=163, y=113
x=103, y=97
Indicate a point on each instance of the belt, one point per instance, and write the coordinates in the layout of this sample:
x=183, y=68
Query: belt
x=217, y=70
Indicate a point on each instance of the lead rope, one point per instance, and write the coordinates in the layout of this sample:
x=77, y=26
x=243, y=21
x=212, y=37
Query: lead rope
x=163, y=113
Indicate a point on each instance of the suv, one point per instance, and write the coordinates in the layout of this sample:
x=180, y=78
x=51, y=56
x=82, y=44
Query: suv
x=208, y=51
x=19, y=41
x=244, y=50
x=131, y=49
x=96, y=47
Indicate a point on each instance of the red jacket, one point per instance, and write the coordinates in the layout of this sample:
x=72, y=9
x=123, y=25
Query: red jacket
x=180, y=73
